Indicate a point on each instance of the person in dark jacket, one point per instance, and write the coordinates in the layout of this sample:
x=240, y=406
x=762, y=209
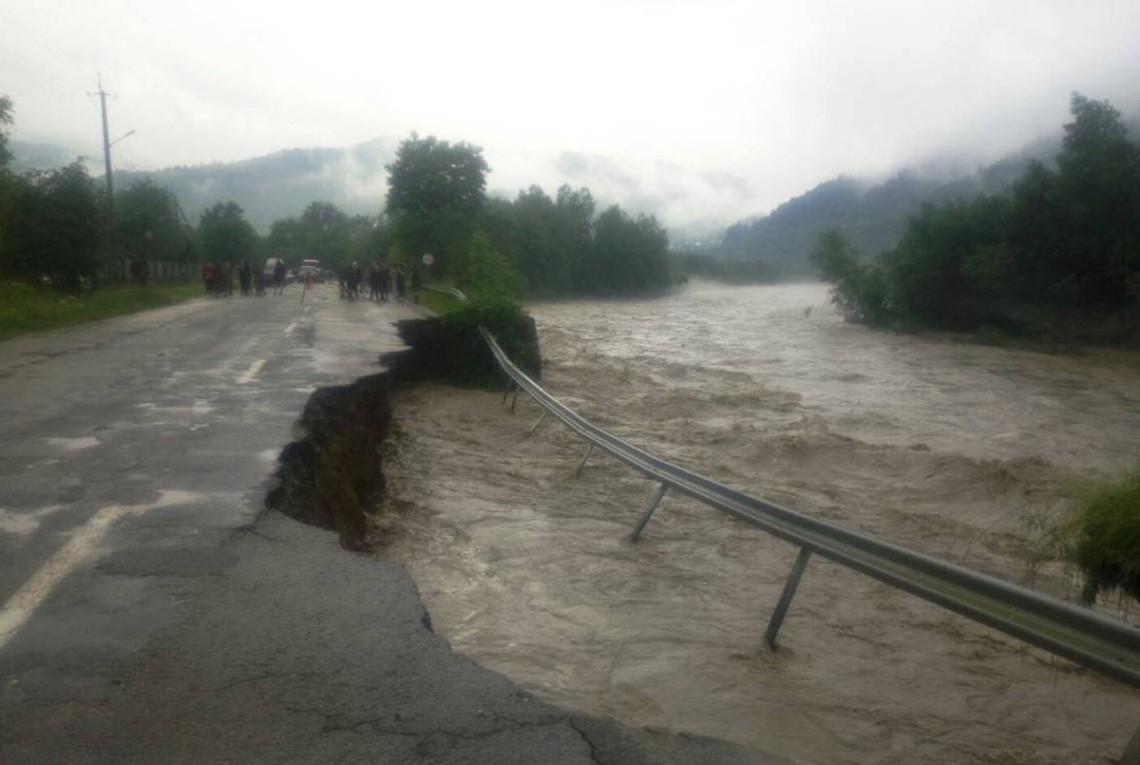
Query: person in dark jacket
x=279, y=278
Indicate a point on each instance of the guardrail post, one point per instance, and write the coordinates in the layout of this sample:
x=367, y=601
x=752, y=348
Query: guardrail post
x=507, y=390
x=649, y=513
x=514, y=399
x=786, y=597
x=1131, y=754
x=538, y=422
x=586, y=456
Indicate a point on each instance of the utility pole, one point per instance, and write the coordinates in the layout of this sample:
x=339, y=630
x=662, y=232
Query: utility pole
x=106, y=144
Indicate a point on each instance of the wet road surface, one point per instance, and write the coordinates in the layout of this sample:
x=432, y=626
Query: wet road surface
x=152, y=613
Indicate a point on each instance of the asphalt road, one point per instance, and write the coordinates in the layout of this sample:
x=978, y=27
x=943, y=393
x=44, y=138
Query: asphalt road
x=152, y=612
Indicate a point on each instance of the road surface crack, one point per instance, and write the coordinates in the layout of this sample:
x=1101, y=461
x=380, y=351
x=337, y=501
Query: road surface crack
x=586, y=738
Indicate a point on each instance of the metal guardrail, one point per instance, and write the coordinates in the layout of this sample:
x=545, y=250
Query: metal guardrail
x=448, y=291
x=1078, y=634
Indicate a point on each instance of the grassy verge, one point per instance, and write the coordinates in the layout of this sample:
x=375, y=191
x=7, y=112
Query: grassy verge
x=1104, y=538
x=25, y=308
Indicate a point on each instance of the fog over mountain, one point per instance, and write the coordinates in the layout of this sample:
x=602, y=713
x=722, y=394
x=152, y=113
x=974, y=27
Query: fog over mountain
x=694, y=205
x=702, y=113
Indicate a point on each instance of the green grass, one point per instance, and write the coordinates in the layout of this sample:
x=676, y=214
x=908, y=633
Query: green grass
x=25, y=308
x=1105, y=538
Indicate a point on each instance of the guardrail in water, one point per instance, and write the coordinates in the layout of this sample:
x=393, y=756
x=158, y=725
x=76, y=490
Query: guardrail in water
x=1075, y=633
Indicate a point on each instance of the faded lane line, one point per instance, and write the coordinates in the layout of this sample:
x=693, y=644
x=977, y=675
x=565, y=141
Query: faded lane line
x=251, y=373
x=22, y=524
x=290, y=328
x=78, y=549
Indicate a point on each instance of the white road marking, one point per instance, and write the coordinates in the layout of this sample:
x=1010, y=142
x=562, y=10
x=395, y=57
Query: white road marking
x=290, y=328
x=22, y=524
x=19, y=608
x=73, y=444
x=251, y=373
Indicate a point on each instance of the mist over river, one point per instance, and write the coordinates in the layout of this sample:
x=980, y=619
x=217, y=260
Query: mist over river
x=966, y=452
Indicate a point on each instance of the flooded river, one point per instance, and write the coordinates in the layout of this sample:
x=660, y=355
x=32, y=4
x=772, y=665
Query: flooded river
x=966, y=452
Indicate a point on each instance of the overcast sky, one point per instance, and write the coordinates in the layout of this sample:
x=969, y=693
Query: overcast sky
x=727, y=108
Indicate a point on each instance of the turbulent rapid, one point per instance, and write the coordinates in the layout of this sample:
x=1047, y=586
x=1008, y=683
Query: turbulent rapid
x=966, y=452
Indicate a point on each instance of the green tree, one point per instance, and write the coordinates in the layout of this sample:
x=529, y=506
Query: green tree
x=834, y=258
x=538, y=255
x=1099, y=179
x=629, y=255
x=1037, y=234
x=547, y=240
x=499, y=222
x=939, y=273
x=557, y=246
x=435, y=193
x=859, y=290
x=225, y=235
x=573, y=232
x=323, y=232
x=490, y=275
x=369, y=238
x=147, y=224
x=1065, y=245
x=287, y=240
x=56, y=227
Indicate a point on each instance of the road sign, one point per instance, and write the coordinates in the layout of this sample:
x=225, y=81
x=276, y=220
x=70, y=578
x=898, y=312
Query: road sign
x=428, y=259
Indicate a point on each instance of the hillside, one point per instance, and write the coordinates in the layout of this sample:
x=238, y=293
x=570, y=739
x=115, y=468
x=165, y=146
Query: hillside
x=270, y=187
x=871, y=215
x=281, y=184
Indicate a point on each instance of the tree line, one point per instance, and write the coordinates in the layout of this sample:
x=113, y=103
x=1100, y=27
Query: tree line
x=58, y=226
x=1058, y=257
x=437, y=203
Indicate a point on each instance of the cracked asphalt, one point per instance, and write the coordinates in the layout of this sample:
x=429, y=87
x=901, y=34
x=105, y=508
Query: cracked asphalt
x=154, y=613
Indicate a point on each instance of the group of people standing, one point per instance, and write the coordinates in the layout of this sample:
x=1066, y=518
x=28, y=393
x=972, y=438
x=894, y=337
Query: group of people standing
x=382, y=280
x=219, y=278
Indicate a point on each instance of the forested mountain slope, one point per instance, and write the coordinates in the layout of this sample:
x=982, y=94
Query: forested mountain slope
x=871, y=216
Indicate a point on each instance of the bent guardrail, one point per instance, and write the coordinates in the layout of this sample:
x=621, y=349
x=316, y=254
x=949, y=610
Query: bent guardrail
x=1078, y=634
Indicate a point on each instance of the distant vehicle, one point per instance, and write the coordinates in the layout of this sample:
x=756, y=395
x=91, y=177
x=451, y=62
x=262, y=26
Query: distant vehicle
x=267, y=272
x=310, y=267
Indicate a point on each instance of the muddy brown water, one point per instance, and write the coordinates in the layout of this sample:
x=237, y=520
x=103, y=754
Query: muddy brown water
x=961, y=451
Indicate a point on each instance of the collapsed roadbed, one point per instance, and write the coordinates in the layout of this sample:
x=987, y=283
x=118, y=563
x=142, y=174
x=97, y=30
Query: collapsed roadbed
x=332, y=477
